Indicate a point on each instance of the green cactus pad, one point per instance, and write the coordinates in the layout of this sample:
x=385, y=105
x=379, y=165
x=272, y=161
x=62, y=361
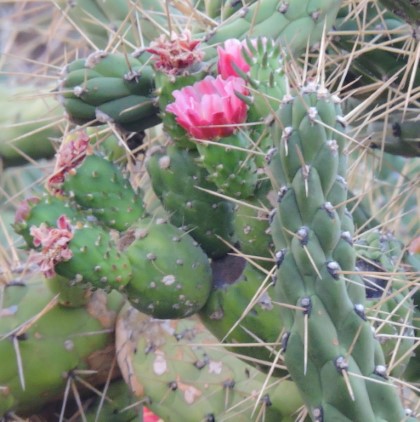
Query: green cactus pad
x=96, y=260
x=183, y=374
x=34, y=329
x=171, y=274
x=99, y=186
x=207, y=218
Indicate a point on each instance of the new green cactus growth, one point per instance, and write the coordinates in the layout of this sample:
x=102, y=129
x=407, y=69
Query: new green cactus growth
x=109, y=88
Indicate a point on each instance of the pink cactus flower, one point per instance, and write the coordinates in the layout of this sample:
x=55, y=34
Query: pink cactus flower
x=53, y=243
x=176, y=55
x=230, y=53
x=210, y=109
x=149, y=416
x=71, y=153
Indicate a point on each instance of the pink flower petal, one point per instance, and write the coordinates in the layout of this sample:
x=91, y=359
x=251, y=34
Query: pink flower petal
x=210, y=109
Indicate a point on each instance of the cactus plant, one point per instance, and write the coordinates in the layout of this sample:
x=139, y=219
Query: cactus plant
x=256, y=208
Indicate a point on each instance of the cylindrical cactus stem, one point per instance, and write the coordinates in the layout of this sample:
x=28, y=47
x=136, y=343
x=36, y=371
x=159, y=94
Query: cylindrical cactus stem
x=398, y=136
x=180, y=371
x=171, y=273
x=27, y=124
x=329, y=344
x=389, y=296
x=109, y=88
x=190, y=203
x=240, y=312
x=114, y=18
x=409, y=10
x=296, y=23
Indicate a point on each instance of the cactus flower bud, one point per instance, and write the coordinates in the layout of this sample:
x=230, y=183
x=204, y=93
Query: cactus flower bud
x=210, y=108
x=54, y=245
x=230, y=53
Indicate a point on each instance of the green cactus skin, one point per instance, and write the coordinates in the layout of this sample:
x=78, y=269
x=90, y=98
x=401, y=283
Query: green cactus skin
x=409, y=10
x=293, y=23
x=109, y=87
x=171, y=274
x=26, y=128
x=206, y=217
x=381, y=63
x=335, y=373
x=240, y=311
x=99, y=186
x=387, y=300
x=65, y=339
x=96, y=260
x=401, y=137
x=230, y=165
x=119, y=406
x=100, y=20
x=69, y=295
x=185, y=375
x=252, y=228
x=35, y=211
x=265, y=78
x=412, y=372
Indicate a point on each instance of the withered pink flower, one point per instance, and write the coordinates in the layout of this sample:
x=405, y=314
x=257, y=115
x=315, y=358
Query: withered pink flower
x=210, y=109
x=175, y=55
x=71, y=153
x=24, y=208
x=230, y=53
x=53, y=242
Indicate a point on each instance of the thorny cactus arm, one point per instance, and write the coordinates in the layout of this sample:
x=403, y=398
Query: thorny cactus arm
x=329, y=348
